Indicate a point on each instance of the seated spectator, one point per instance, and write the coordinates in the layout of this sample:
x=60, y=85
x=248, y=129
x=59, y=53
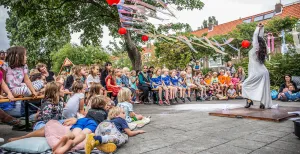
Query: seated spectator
x=93, y=77
x=105, y=72
x=285, y=87
x=75, y=104
x=4, y=117
x=124, y=97
x=49, y=75
x=112, y=133
x=230, y=68
x=290, y=94
x=231, y=92
x=242, y=74
x=111, y=84
x=78, y=73
x=52, y=105
x=144, y=84
x=16, y=71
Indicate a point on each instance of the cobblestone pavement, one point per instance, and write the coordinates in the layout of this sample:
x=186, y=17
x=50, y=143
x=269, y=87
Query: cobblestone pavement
x=188, y=128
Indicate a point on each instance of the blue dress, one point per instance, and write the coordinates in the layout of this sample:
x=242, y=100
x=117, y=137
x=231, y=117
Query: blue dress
x=166, y=79
x=156, y=80
x=175, y=81
x=180, y=79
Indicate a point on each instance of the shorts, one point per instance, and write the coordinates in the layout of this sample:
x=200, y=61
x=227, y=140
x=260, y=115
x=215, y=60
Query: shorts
x=40, y=124
x=85, y=123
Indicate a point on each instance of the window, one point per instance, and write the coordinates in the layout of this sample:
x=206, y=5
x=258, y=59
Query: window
x=268, y=16
x=247, y=20
x=216, y=63
x=259, y=18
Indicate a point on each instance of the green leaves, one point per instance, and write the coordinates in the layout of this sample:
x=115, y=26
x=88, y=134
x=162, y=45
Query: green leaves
x=79, y=55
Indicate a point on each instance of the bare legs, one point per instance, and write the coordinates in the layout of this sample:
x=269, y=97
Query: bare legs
x=37, y=133
x=70, y=140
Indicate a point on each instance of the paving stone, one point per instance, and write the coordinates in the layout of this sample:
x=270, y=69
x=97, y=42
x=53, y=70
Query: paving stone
x=261, y=138
x=247, y=144
x=166, y=150
x=287, y=146
x=270, y=150
x=273, y=133
x=198, y=144
x=291, y=138
x=228, y=149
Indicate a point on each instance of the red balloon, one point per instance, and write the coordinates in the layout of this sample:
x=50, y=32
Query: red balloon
x=112, y=2
x=145, y=38
x=122, y=31
x=245, y=44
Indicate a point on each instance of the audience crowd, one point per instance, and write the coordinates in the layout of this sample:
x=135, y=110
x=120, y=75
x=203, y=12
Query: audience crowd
x=80, y=100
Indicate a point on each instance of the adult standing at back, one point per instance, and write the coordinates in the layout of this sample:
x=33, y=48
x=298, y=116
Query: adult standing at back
x=230, y=68
x=49, y=75
x=105, y=72
x=144, y=84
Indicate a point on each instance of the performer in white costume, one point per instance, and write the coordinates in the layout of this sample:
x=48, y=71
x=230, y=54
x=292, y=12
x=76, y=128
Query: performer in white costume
x=257, y=86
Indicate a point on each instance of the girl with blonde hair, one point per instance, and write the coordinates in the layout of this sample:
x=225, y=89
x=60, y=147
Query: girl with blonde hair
x=124, y=97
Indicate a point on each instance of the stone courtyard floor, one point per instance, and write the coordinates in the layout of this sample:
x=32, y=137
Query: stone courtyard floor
x=188, y=128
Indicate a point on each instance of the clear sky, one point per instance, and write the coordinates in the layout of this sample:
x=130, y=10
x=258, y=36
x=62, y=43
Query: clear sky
x=223, y=10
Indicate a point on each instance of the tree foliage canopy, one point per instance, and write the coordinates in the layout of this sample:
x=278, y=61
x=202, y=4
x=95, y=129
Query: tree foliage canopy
x=63, y=17
x=79, y=55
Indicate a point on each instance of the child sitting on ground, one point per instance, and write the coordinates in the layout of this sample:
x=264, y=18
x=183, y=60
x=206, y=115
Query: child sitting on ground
x=76, y=102
x=290, y=95
x=83, y=126
x=124, y=97
x=231, y=92
x=52, y=105
x=110, y=134
x=95, y=90
x=16, y=71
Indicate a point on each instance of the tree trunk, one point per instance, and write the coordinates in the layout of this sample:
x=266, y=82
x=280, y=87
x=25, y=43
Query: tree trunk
x=133, y=53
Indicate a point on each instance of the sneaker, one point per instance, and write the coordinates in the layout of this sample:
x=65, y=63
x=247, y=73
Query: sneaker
x=188, y=98
x=107, y=147
x=90, y=143
x=176, y=100
x=167, y=102
x=161, y=103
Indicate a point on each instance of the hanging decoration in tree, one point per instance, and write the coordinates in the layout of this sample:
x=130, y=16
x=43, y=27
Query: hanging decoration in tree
x=133, y=15
x=112, y=2
x=122, y=31
x=246, y=44
x=145, y=38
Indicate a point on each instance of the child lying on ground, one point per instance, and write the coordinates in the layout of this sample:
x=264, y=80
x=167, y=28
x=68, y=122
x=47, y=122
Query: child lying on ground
x=110, y=134
x=124, y=97
x=83, y=126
